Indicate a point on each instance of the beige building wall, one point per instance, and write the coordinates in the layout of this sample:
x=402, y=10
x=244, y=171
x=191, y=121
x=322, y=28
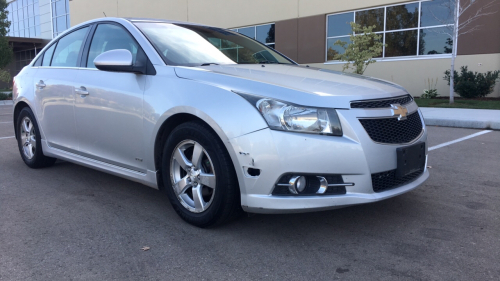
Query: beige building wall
x=221, y=13
x=413, y=74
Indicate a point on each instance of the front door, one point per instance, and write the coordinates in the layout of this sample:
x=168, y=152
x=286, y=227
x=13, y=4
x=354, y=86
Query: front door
x=108, y=105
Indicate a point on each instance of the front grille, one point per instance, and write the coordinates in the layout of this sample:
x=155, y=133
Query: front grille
x=387, y=180
x=391, y=130
x=382, y=103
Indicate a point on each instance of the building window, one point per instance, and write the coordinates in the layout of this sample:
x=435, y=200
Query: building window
x=24, y=17
x=410, y=29
x=262, y=33
x=60, y=16
x=23, y=58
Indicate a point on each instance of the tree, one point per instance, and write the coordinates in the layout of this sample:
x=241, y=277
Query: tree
x=5, y=49
x=462, y=26
x=364, y=46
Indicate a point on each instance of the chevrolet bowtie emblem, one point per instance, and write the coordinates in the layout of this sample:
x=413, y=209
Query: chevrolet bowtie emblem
x=400, y=111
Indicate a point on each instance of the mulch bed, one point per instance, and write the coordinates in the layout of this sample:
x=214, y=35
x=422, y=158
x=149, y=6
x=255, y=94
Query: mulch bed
x=459, y=98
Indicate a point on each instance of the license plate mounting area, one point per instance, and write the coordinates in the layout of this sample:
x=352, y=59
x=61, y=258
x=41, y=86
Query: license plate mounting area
x=410, y=159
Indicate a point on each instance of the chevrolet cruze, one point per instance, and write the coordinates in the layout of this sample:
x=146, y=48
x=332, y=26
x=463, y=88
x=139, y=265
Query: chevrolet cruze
x=220, y=122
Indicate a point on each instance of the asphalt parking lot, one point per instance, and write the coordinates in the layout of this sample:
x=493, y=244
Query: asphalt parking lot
x=68, y=222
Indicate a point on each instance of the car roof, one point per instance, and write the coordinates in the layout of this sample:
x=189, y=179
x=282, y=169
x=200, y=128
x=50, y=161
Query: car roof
x=160, y=20
x=134, y=20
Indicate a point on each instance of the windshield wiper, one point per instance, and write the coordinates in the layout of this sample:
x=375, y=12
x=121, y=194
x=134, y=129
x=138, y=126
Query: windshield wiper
x=271, y=62
x=209, y=63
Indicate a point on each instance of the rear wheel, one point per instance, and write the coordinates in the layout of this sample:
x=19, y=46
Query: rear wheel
x=29, y=141
x=199, y=177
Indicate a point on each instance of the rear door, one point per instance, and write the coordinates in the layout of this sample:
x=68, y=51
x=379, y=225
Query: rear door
x=108, y=108
x=55, y=94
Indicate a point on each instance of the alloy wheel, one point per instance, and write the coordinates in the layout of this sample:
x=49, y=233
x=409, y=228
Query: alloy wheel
x=28, y=137
x=193, y=176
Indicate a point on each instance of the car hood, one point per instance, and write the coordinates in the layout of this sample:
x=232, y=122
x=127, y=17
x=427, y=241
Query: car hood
x=298, y=84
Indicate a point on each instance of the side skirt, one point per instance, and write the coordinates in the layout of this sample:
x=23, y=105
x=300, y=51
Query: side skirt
x=148, y=178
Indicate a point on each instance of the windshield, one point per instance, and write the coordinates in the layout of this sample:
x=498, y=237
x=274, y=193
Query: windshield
x=192, y=45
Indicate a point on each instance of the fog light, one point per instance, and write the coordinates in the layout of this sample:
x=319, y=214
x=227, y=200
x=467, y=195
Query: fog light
x=297, y=184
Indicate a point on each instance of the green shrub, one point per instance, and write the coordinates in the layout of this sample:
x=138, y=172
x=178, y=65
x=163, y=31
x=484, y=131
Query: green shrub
x=429, y=94
x=4, y=96
x=470, y=84
x=431, y=91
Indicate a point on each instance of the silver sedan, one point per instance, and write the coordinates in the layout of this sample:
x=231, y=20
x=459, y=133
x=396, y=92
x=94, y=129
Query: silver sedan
x=220, y=122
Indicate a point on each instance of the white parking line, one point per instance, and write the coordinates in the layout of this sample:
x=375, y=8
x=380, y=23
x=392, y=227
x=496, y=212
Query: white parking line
x=7, y=138
x=459, y=140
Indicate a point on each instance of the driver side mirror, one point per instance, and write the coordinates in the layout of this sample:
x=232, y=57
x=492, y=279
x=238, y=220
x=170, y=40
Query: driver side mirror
x=119, y=60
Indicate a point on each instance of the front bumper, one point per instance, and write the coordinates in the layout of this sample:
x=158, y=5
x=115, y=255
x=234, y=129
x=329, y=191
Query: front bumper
x=268, y=204
x=354, y=156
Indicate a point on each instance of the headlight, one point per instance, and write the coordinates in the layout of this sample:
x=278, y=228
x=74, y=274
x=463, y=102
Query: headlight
x=295, y=118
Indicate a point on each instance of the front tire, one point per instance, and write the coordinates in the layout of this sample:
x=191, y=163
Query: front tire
x=199, y=176
x=29, y=141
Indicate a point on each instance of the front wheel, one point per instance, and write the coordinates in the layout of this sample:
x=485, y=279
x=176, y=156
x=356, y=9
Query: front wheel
x=199, y=177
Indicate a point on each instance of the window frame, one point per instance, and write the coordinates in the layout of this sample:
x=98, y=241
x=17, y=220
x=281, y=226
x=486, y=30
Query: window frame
x=418, y=28
x=141, y=54
x=85, y=54
x=39, y=60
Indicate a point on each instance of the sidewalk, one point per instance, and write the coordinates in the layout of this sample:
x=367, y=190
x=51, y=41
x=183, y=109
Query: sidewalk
x=462, y=118
x=6, y=102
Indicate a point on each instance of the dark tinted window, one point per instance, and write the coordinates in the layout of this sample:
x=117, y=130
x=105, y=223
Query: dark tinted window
x=339, y=25
x=401, y=43
x=437, y=12
x=402, y=17
x=109, y=37
x=371, y=17
x=68, y=48
x=248, y=31
x=265, y=33
x=434, y=42
x=333, y=50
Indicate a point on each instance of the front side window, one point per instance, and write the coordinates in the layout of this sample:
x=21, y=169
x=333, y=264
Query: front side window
x=192, y=45
x=109, y=37
x=68, y=49
x=410, y=29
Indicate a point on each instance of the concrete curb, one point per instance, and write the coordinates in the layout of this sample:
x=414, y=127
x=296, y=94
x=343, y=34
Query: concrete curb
x=462, y=118
x=462, y=123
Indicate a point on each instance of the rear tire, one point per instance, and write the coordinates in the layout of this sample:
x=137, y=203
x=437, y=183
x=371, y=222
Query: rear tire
x=29, y=141
x=199, y=176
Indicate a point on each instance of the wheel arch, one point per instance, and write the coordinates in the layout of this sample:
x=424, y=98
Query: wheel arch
x=168, y=126
x=17, y=109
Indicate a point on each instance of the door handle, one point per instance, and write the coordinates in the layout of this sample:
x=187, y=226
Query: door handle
x=40, y=85
x=82, y=91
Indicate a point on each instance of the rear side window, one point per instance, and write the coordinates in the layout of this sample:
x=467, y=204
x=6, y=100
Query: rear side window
x=48, y=55
x=109, y=37
x=68, y=49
